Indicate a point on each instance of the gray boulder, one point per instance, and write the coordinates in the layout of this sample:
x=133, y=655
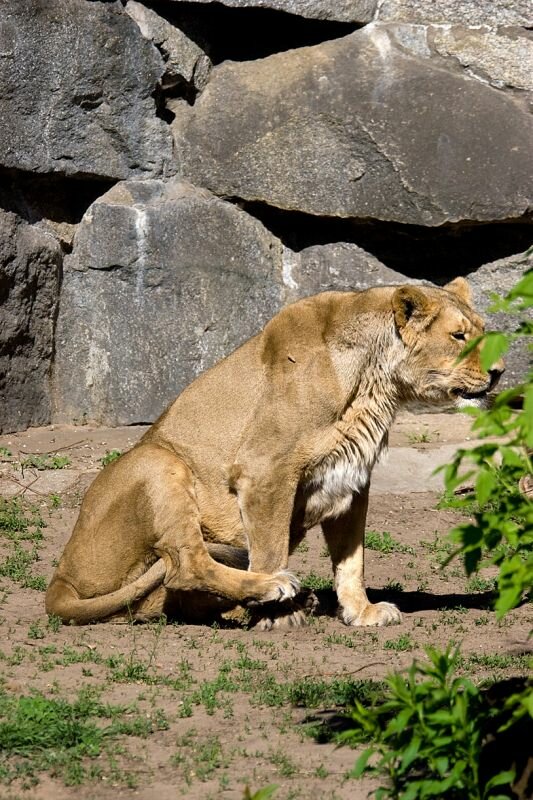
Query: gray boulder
x=76, y=91
x=163, y=281
x=499, y=277
x=30, y=262
x=334, y=10
x=338, y=267
x=185, y=62
x=361, y=127
x=469, y=12
x=502, y=57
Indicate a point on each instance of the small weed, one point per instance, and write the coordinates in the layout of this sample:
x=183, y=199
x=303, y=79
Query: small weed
x=394, y=586
x=520, y=662
x=401, y=644
x=185, y=708
x=208, y=757
x=42, y=461
x=17, y=568
x=55, y=500
x=54, y=623
x=205, y=759
x=35, y=631
x=303, y=547
x=453, y=616
x=384, y=543
x=440, y=549
x=72, y=656
x=422, y=438
x=5, y=452
x=128, y=670
x=109, y=457
x=315, y=693
x=285, y=766
x=316, y=582
x=18, y=522
x=479, y=584
x=342, y=638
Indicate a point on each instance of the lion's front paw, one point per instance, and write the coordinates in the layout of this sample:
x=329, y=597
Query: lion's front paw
x=373, y=614
x=282, y=586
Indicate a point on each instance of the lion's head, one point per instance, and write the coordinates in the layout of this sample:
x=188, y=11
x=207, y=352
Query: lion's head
x=435, y=325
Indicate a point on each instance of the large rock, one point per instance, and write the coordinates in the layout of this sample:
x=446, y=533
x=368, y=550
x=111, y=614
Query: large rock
x=163, y=281
x=361, y=127
x=339, y=267
x=469, y=12
x=76, y=91
x=498, y=278
x=504, y=58
x=30, y=263
x=186, y=64
x=333, y=10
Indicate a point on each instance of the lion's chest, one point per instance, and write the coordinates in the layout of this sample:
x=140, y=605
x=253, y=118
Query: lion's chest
x=330, y=488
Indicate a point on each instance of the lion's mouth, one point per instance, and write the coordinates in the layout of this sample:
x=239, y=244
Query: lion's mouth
x=466, y=395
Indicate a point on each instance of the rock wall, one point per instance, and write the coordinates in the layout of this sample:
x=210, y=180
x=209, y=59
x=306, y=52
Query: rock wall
x=172, y=173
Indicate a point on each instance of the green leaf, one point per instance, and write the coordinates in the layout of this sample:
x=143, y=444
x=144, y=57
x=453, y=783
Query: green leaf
x=494, y=346
x=523, y=289
x=528, y=414
x=485, y=484
x=262, y=794
x=501, y=779
x=361, y=765
x=411, y=752
x=471, y=345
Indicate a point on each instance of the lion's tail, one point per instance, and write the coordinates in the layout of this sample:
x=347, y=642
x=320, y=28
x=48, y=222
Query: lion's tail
x=63, y=601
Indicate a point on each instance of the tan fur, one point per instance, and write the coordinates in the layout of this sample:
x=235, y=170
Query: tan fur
x=280, y=436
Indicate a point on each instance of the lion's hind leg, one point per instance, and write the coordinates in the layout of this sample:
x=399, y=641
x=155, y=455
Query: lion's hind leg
x=178, y=540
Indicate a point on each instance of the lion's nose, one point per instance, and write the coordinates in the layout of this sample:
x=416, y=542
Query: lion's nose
x=495, y=373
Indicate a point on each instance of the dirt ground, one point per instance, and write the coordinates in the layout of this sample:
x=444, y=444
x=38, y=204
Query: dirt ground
x=221, y=707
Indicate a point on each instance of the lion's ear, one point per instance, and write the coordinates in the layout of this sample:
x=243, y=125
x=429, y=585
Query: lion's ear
x=461, y=289
x=409, y=302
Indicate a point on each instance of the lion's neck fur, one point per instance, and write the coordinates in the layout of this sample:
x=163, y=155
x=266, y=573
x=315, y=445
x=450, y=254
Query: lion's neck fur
x=373, y=396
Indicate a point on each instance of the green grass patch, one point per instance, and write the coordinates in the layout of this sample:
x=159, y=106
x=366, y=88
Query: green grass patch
x=477, y=583
x=520, y=662
x=316, y=582
x=17, y=567
x=41, y=734
x=109, y=457
x=19, y=522
x=42, y=461
x=384, y=543
x=402, y=644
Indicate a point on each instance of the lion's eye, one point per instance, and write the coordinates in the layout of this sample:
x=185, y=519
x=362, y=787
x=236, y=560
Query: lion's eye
x=459, y=335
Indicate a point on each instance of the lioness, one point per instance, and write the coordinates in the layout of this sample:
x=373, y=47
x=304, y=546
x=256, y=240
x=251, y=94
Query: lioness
x=280, y=436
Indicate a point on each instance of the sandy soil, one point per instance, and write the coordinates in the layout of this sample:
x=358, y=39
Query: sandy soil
x=219, y=719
